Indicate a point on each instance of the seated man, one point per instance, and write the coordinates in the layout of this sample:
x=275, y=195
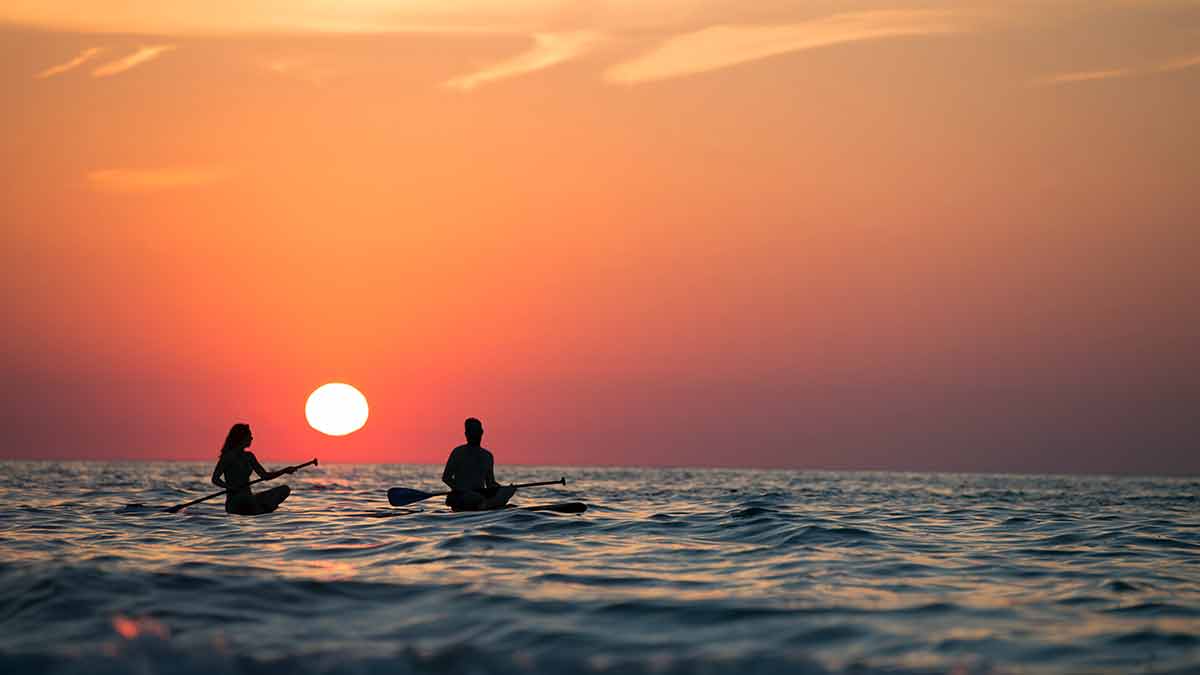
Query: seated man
x=470, y=473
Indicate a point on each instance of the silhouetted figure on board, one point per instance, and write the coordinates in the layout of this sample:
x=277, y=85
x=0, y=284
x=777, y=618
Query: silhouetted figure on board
x=235, y=464
x=470, y=473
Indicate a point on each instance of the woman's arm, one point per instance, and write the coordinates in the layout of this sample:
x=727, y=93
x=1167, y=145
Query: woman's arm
x=216, y=477
x=262, y=471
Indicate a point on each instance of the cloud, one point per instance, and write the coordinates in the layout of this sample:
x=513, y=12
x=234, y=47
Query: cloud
x=549, y=49
x=724, y=46
x=1084, y=76
x=83, y=57
x=1170, y=66
x=300, y=68
x=142, y=55
x=148, y=180
x=115, y=67
x=219, y=17
x=1179, y=64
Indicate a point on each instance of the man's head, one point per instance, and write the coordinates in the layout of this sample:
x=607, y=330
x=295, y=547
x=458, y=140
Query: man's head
x=474, y=429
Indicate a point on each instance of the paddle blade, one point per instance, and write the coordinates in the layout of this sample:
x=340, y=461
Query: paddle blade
x=399, y=496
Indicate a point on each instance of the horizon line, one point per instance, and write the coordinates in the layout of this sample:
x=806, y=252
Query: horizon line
x=680, y=467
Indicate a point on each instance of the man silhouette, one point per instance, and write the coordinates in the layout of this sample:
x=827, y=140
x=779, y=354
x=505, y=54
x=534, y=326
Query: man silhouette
x=470, y=473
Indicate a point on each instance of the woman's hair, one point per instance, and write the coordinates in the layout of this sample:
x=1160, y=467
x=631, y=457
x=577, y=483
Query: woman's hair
x=236, y=438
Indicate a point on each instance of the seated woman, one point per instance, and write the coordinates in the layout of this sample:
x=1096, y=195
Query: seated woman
x=235, y=464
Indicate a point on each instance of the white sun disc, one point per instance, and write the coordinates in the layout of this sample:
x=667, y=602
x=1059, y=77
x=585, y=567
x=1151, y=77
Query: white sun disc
x=336, y=409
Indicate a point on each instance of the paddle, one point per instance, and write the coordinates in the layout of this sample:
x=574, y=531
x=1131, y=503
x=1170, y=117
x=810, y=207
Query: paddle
x=399, y=496
x=177, y=507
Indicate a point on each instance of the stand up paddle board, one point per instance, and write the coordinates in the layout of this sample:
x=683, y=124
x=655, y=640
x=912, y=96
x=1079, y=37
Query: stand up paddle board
x=564, y=507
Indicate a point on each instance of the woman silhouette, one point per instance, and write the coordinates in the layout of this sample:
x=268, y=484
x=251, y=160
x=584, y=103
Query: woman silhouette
x=236, y=463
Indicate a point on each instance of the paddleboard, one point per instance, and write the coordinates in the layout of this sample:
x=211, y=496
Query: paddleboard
x=564, y=507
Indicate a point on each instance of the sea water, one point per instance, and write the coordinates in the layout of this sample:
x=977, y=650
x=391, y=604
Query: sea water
x=669, y=571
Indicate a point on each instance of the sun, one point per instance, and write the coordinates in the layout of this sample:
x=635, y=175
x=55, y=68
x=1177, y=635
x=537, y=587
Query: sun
x=336, y=409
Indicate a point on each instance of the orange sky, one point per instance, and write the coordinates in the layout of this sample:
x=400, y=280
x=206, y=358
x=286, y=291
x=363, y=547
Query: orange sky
x=956, y=236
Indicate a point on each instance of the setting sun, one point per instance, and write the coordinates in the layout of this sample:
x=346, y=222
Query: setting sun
x=336, y=409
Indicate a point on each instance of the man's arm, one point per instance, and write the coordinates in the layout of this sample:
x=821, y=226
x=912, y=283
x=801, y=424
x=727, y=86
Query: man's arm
x=448, y=472
x=489, y=479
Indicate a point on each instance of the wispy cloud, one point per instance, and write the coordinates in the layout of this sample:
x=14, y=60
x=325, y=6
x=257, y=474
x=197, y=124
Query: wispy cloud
x=300, y=68
x=1084, y=76
x=223, y=17
x=549, y=49
x=1170, y=66
x=142, y=55
x=146, y=17
x=83, y=57
x=147, y=180
x=1179, y=64
x=724, y=46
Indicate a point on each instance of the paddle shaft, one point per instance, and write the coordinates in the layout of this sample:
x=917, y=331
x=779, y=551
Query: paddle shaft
x=178, y=507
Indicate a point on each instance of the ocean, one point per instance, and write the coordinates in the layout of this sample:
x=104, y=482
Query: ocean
x=670, y=571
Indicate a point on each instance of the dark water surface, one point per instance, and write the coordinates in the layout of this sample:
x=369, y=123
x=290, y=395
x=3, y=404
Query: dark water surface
x=669, y=571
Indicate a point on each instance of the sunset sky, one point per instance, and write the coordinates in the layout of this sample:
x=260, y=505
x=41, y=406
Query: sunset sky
x=958, y=236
